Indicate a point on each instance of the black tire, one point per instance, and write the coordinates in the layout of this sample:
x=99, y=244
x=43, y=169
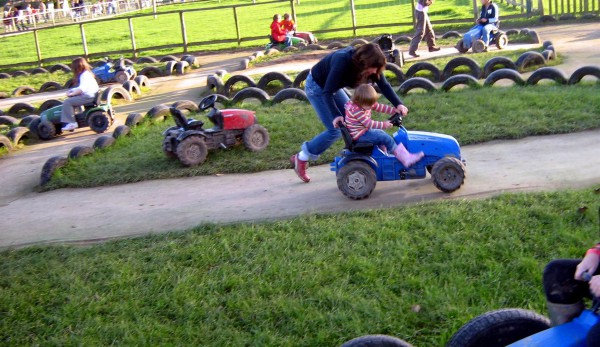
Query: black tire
x=20, y=107
x=33, y=126
x=8, y=120
x=17, y=134
x=5, y=142
x=300, y=78
x=222, y=99
x=50, y=166
x=120, y=131
x=478, y=46
x=180, y=67
x=60, y=67
x=535, y=37
x=403, y=39
x=192, y=151
x=499, y=328
x=529, y=58
x=4, y=75
x=168, y=58
x=256, y=138
x=460, y=47
x=133, y=119
x=131, y=86
x=25, y=121
x=159, y=111
x=20, y=73
x=151, y=71
x=551, y=73
x=358, y=42
x=391, y=67
x=545, y=44
x=169, y=66
x=274, y=76
x=547, y=19
x=549, y=54
x=38, y=70
x=48, y=104
x=142, y=81
x=289, y=93
x=146, y=60
x=461, y=61
x=215, y=82
x=415, y=83
x=451, y=34
x=23, y=90
x=69, y=84
x=249, y=93
x=48, y=86
x=103, y=142
x=237, y=79
x=510, y=74
x=3, y=95
x=490, y=65
x=168, y=146
x=99, y=121
x=188, y=105
x=335, y=45
x=115, y=90
x=46, y=130
x=423, y=65
x=121, y=77
x=191, y=60
x=376, y=341
x=80, y=151
x=458, y=80
x=448, y=174
x=580, y=73
x=356, y=180
x=501, y=41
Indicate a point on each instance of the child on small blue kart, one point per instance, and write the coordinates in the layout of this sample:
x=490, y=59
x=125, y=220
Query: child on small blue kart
x=363, y=128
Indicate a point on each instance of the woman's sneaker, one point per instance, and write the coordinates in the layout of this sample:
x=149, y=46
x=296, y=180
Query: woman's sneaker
x=300, y=167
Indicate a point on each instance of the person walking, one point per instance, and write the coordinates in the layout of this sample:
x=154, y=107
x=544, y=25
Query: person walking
x=423, y=29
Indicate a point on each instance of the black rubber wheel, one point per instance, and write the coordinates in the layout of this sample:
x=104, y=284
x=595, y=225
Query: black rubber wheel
x=235, y=79
x=151, y=71
x=59, y=67
x=391, y=67
x=168, y=146
x=4, y=75
x=46, y=130
x=510, y=74
x=491, y=64
x=545, y=44
x=187, y=105
x=460, y=47
x=133, y=119
x=25, y=121
x=461, y=61
x=580, y=73
x=143, y=60
x=159, y=111
x=191, y=60
x=256, y=138
x=415, y=83
x=192, y=151
x=451, y=34
x=131, y=87
x=120, y=131
x=478, y=46
x=50, y=166
x=21, y=106
x=376, y=341
x=403, y=39
x=80, y=151
x=39, y=70
x=99, y=121
x=169, y=67
x=529, y=58
x=300, y=78
x=180, y=67
x=550, y=73
x=549, y=54
x=23, y=90
x=335, y=45
x=69, y=83
x=356, y=180
x=458, y=80
x=250, y=93
x=499, y=328
x=448, y=174
x=116, y=90
x=48, y=104
x=33, y=126
x=501, y=41
x=20, y=73
x=103, y=142
x=17, y=134
x=168, y=58
x=8, y=120
x=48, y=86
x=5, y=142
x=274, y=76
x=424, y=66
x=289, y=93
x=142, y=81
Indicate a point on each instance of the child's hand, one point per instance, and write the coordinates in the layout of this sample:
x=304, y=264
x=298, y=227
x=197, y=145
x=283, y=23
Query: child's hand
x=387, y=124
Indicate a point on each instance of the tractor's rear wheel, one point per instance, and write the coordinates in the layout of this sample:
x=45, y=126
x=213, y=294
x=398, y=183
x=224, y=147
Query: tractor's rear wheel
x=461, y=47
x=356, y=180
x=99, y=121
x=448, y=174
x=501, y=41
x=256, y=138
x=192, y=151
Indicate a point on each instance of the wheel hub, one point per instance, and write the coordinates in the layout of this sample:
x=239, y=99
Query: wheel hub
x=356, y=181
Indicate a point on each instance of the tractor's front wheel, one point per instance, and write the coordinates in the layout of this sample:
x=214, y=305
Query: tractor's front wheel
x=99, y=121
x=479, y=46
x=501, y=41
x=356, y=180
x=169, y=146
x=256, y=138
x=448, y=174
x=192, y=151
x=46, y=130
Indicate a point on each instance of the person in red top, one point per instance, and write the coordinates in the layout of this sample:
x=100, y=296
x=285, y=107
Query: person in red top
x=278, y=34
x=288, y=23
x=363, y=128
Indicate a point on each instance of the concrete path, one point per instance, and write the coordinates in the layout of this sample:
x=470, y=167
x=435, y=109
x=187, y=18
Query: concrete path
x=84, y=215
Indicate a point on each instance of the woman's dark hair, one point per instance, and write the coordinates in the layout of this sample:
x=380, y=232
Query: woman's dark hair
x=275, y=16
x=367, y=56
x=79, y=65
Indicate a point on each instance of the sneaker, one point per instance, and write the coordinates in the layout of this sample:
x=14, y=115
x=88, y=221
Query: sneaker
x=300, y=167
x=434, y=49
x=414, y=54
x=70, y=127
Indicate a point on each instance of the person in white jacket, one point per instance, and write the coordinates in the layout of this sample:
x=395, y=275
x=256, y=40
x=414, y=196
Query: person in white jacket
x=84, y=92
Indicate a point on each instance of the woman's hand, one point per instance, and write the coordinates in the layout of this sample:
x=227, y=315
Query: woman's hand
x=589, y=264
x=403, y=110
x=595, y=285
x=338, y=120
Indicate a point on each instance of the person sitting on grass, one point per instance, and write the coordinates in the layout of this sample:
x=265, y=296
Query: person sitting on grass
x=278, y=34
x=487, y=21
x=84, y=92
x=291, y=28
x=363, y=128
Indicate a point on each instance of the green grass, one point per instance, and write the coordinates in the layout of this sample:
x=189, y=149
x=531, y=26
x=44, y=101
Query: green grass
x=470, y=115
x=417, y=272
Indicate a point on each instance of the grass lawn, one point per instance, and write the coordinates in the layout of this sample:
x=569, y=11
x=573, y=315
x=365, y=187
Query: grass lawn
x=417, y=272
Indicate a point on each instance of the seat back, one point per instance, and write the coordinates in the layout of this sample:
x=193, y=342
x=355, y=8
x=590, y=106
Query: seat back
x=385, y=42
x=97, y=100
x=353, y=146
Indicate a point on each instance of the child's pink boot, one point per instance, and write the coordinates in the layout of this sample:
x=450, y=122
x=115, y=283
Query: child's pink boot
x=405, y=157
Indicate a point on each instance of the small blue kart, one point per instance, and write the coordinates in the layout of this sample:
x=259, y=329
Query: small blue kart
x=109, y=72
x=361, y=165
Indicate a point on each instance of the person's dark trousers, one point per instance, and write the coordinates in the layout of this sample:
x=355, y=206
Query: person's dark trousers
x=423, y=30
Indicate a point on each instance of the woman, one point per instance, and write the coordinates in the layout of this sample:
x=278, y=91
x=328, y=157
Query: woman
x=278, y=33
x=84, y=92
x=348, y=67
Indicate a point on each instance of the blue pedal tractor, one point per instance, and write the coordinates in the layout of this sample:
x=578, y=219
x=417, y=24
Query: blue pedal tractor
x=361, y=165
x=497, y=38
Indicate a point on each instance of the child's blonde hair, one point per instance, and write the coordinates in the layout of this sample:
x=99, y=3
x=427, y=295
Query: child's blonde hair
x=364, y=95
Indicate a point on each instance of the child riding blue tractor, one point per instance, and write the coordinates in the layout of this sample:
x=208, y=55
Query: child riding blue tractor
x=361, y=165
x=109, y=72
